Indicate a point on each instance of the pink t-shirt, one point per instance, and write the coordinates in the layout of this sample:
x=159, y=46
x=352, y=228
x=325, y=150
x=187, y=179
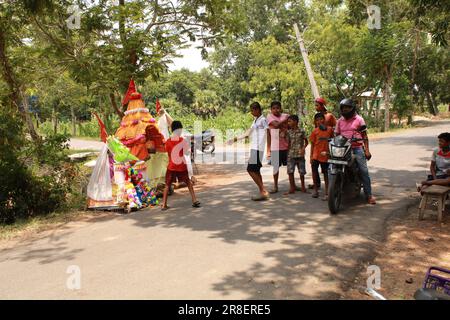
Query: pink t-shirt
x=277, y=142
x=348, y=128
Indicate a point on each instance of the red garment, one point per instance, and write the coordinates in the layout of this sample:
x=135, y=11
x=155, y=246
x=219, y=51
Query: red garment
x=158, y=106
x=137, y=147
x=131, y=90
x=176, y=147
x=330, y=120
x=319, y=140
x=103, y=133
x=173, y=176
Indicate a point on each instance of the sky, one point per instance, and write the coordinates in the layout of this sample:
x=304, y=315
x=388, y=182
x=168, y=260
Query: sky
x=192, y=59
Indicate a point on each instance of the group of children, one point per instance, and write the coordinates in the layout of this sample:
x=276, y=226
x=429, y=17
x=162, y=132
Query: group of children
x=286, y=143
x=286, y=146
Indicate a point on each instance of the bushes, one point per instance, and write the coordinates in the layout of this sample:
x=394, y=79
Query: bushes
x=88, y=128
x=227, y=119
x=35, y=177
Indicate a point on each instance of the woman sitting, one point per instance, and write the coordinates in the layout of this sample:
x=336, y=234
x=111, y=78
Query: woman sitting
x=440, y=164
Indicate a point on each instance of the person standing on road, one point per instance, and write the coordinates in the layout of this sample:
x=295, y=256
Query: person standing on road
x=330, y=119
x=277, y=145
x=258, y=134
x=297, y=142
x=177, y=148
x=348, y=126
x=319, y=153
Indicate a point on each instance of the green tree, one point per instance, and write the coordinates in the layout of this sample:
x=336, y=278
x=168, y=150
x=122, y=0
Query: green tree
x=206, y=104
x=276, y=73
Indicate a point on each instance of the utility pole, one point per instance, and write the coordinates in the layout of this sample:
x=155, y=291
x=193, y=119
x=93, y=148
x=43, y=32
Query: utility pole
x=309, y=71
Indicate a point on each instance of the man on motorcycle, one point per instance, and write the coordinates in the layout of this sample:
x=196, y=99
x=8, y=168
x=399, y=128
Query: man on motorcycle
x=348, y=126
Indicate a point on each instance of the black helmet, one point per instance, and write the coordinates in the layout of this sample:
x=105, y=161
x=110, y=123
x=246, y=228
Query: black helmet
x=348, y=103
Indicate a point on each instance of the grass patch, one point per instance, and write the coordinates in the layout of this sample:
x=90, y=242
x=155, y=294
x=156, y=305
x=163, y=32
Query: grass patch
x=37, y=224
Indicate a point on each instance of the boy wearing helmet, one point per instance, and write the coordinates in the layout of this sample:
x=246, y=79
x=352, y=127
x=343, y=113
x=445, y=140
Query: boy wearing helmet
x=348, y=126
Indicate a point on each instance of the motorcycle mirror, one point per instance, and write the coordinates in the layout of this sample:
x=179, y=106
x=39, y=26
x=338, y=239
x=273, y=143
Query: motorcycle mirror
x=362, y=128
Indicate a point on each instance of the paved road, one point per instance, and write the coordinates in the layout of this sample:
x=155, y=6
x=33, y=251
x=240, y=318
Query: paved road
x=232, y=248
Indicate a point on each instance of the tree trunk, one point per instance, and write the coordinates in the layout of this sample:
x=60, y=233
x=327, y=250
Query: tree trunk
x=387, y=98
x=387, y=104
x=435, y=105
x=370, y=108
x=431, y=104
x=74, y=121
x=27, y=117
x=16, y=94
x=119, y=112
x=54, y=120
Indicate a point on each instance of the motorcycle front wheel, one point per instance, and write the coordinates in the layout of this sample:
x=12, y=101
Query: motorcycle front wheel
x=209, y=148
x=335, y=192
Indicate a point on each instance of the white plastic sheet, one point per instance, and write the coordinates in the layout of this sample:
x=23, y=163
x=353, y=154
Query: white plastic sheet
x=100, y=186
x=163, y=126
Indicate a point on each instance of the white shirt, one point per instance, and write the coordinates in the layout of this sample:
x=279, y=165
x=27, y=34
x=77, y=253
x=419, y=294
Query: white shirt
x=258, y=134
x=164, y=127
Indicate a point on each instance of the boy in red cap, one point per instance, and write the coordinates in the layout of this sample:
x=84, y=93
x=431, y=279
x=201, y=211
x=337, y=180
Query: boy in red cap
x=330, y=119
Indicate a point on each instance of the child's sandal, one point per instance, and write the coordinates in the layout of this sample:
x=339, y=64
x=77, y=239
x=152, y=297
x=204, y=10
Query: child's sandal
x=196, y=204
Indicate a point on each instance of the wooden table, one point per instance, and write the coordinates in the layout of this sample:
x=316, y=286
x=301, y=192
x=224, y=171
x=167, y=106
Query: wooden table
x=440, y=193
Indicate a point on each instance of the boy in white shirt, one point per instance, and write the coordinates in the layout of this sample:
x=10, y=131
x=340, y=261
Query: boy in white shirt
x=258, y=134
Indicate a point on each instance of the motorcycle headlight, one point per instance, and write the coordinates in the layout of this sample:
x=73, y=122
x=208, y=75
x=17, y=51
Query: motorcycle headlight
x=338, y=152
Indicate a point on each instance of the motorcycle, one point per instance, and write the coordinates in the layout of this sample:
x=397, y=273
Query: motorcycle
x=343, y=172
x=202, y=142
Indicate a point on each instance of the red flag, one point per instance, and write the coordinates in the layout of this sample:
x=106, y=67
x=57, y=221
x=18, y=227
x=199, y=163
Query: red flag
x=103, y=133
x=131, y=89
x=158, y=106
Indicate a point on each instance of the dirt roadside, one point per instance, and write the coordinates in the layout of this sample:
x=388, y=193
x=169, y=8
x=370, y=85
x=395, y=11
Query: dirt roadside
x=410, y=248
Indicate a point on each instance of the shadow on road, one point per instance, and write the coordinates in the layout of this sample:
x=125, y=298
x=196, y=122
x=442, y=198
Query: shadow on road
x=319, y=253
x=284, y=248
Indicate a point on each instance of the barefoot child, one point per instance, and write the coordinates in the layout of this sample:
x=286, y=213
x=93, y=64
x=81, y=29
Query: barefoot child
x=258, y=134
x=297, y=142
x=177, y=148
x=277, y=146
x=319, y=152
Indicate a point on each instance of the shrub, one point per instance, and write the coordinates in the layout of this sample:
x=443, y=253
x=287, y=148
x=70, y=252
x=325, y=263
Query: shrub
x=36, y=177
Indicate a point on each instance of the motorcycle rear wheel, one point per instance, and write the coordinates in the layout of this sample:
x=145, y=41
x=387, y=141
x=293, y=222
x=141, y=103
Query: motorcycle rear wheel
x=335, y=193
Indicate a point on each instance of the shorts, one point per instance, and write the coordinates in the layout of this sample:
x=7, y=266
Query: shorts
x=279, y=158
x=323, y=166
x=173, y=176
x=254, y=163
x=296, y=162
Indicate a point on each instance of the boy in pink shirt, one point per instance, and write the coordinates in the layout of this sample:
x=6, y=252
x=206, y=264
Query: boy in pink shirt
x=277, y=144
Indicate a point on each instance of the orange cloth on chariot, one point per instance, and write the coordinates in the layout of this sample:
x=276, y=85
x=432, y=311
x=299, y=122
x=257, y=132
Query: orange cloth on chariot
x=138, y=129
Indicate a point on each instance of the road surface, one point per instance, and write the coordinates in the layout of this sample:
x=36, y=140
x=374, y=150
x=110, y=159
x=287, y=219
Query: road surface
x=231, y=248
